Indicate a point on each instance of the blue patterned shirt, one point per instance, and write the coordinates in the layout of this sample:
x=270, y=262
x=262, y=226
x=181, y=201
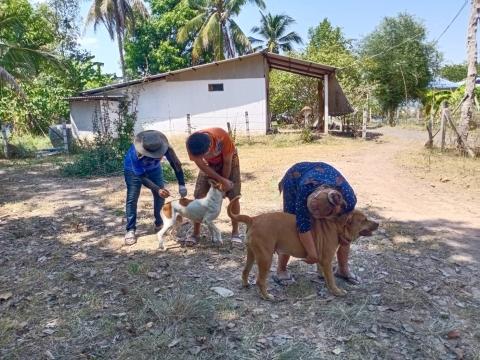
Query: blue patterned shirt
x=302, y=179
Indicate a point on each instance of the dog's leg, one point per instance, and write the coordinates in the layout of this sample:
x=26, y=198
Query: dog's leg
x=326, y=265
x=263, y=263
x=214, y=232
x=167, y=224
x=248, y=266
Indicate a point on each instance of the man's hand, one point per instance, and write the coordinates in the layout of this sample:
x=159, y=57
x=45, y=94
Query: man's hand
x=227, y=185
x=311, y=259
x=182, y=190
x=164, y=193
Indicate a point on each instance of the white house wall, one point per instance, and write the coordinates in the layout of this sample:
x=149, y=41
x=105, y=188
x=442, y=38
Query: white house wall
x=83, y=113
x=164, y=105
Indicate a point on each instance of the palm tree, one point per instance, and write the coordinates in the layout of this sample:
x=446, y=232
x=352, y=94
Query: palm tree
x=117, y=16
x=214, y=28
x=272, y=30
x=20, y=60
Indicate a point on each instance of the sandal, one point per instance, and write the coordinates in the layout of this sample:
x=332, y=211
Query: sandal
x=236, y=239
x=283, y=281
x=350, y=279
x=190, y=241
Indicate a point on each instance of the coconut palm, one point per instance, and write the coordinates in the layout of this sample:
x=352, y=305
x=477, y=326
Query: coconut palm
x=117, y=16
x=20, y=60
x=214, y=28
x=272, y=30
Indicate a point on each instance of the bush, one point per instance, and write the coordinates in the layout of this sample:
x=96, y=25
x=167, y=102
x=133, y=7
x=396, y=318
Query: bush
x=25, y=146
x=307, y=136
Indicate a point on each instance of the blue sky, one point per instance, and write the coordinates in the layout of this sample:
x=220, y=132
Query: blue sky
x=356, y=18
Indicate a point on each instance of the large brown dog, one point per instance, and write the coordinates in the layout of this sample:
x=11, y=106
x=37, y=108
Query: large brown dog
x=277, y=232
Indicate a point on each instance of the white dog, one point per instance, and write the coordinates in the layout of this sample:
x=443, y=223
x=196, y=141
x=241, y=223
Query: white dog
x=203, y=210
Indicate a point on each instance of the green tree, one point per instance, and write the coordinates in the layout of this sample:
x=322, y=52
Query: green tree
x=117, y=16
x=152, y=46
x=30, y=51
x=22, y=51
x=327, y=45
x=400, y=60
x=214, y=28
x=454, y=72
x=273, y=30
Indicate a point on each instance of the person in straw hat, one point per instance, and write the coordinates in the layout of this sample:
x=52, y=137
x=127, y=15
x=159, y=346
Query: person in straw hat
x=142, y=167
x=315, y=190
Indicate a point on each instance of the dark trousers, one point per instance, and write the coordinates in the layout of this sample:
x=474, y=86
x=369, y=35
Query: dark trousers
x=134, y=185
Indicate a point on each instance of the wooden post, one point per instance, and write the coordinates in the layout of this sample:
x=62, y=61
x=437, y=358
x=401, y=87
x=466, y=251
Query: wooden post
x=443, y=123
x=189, y=125
x=65, y=136
x=229, y=128
x=325, y=97
x=5, y=141
x=247, y=125
x=364, y=124
x=321, y=105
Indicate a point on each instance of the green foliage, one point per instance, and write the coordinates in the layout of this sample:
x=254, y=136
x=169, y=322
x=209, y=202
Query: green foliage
x=25, y=146
x=455, y=72
x=104, y=155
x=152, y=47
x=273, y=30
x=399, y=60
x=307, y=136
x=289, y=93
x=214, y=28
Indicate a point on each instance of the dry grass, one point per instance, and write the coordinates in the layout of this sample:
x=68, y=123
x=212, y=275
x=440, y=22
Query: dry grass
x=434, y=165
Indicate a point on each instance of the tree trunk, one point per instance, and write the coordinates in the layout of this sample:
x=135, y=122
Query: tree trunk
x=119, y=31
x=467, y=106
x=391, y=117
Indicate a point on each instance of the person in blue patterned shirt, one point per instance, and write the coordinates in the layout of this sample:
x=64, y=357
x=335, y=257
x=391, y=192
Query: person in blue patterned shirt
x=298, y=183
x=142, y=167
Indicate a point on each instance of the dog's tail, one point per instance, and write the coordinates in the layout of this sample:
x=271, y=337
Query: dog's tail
x=238, y=217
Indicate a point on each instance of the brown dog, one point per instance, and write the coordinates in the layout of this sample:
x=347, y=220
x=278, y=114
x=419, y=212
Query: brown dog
x=277, y=232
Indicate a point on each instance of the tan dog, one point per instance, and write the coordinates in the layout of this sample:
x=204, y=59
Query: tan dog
x=277, y=232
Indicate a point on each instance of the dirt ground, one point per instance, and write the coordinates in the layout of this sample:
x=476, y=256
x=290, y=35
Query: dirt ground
x=69, y=289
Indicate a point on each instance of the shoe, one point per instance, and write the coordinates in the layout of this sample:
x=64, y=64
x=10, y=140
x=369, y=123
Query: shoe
x=130, y=237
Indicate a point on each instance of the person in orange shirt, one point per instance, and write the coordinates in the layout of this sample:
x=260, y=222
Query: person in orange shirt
x=214, y=152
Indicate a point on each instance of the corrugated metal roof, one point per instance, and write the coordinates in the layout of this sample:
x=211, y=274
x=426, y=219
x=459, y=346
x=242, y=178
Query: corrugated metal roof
x=275, y=61
x=96, y=98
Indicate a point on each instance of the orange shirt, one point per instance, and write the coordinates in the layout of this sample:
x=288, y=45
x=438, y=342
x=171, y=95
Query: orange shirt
x=221, y=145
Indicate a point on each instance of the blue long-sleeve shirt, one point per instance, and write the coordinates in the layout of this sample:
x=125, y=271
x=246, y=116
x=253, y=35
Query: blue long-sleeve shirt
x=304, y=178
x=145, y=164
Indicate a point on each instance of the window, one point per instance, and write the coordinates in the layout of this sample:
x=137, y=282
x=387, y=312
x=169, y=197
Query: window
x=215, y=87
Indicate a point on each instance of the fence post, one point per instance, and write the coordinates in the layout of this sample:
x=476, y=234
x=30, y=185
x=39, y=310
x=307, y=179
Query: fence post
x=229, y=128
x=364, y=124
x=189, y=125
x=5, y=141
x=247, y=125
x=443, y=124
x=325, y=97
x=65, y=136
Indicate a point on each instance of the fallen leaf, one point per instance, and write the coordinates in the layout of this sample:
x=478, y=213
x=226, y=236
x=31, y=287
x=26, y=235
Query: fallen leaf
x=338, y=351
x=175, y=342
x=223, y=292
x=6, y=295
x=153, y=275
x=453, y=334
